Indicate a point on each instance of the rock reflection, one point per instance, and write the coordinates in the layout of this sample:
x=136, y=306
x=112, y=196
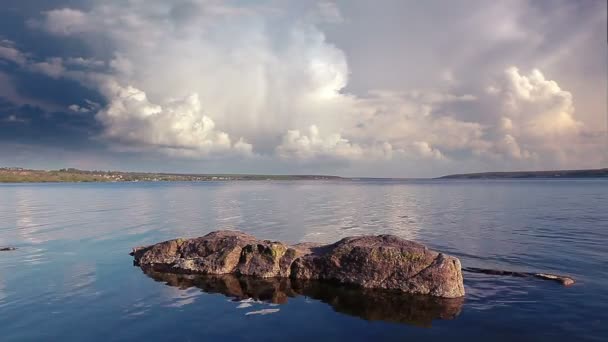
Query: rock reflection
x=368, y=304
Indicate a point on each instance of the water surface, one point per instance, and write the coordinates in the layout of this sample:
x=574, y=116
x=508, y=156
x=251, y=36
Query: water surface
x=72, y=278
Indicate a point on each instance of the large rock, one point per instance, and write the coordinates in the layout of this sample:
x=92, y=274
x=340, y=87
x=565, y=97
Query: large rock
x=381, y=262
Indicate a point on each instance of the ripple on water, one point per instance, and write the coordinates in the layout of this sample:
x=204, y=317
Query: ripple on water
x=72, y=267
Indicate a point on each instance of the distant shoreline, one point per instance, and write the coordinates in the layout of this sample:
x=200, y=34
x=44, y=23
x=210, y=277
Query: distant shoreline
x=556, y=174
x=22, y=175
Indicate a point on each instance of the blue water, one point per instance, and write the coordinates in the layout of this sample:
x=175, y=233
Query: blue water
x=72, y=279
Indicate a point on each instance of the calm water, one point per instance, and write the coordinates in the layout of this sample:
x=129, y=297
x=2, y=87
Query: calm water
x=72, y=278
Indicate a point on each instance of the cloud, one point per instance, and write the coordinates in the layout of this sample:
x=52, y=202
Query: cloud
x=250, y=85
x=296, y=145
x=10, y=93
x=427, y=151
x=90, y=106
x=64, y=21
x=410, y=122
x=52, y=67
x=202, y=79
x=85, y=62
x=541, y=107
x=536, y=118
x=329, y=12
x=177, y=126
x=511, y=148
x=78, y=109
x=8, y=52
x=13, y=118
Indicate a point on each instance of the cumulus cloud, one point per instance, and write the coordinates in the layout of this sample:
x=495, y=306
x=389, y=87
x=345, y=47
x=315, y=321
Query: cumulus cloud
x=249, y=84
x=313, y=146
x=188, y=78
x=178, y=124
x=410, y=123
x=511, y=148
x=427, y=151
x=542, y=108
x=536, y=118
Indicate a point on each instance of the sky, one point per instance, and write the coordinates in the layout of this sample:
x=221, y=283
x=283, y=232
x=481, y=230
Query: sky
x=388, y=88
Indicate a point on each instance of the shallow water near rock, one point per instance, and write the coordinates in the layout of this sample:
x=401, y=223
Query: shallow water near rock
x=71, y=277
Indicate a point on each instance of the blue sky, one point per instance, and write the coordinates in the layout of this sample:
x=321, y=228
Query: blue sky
x=358, y=88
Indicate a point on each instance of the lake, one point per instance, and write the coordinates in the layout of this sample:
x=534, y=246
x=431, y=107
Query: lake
x=72, y=279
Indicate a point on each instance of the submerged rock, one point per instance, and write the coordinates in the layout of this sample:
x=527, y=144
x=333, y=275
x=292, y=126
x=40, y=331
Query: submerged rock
x=369, y=304
x=380, y=262
x=564, y=280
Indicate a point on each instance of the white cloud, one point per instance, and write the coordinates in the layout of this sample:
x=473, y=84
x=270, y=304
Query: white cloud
x=542, y=108
x=313, y=146
x=409, y=123
x=177, y=126
x=510, y=147
x=188, y=78
x=250, y=85
x=537, y=119
x=78, y=109
x=427, y=151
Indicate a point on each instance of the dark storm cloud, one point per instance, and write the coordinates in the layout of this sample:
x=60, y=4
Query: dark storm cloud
x=14, y=18
x=29, y=124
x=46, y=120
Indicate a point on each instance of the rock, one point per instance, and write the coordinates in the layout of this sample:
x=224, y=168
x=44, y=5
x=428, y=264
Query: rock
x=369, y=304
x=7, y=249
x=384, y=262
x=379, y=262
x=219, y=252
x=564, y=280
